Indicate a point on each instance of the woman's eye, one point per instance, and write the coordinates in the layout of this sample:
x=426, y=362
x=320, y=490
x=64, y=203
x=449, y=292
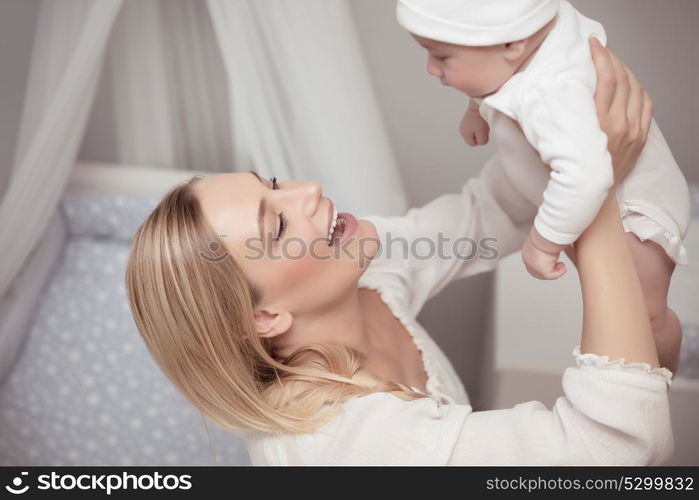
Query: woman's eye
x=282, y=221
x=282, y=225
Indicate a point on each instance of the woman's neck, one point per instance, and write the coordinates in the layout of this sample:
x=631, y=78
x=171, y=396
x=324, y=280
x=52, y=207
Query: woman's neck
x=365, y=323
x=342, y=323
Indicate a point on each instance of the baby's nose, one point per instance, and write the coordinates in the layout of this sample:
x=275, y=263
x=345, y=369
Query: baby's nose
x=433, y=69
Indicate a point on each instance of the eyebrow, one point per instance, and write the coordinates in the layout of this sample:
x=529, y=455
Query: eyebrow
x=261, y=207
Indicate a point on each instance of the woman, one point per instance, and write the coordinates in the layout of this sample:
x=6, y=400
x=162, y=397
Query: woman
x=317, y=358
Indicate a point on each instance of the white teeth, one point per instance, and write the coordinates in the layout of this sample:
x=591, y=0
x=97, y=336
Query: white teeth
x=332, y=225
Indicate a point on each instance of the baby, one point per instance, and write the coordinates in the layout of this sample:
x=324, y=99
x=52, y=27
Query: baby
x=527, y=67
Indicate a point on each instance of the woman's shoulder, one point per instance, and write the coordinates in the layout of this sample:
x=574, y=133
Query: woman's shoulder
x=378, y=428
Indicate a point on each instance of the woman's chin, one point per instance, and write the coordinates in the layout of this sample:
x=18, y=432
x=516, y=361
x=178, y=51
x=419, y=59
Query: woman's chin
x=366, y=229
x=364, y=243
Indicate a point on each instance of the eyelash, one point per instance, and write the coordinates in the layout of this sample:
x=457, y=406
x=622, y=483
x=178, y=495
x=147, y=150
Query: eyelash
x=282, y=220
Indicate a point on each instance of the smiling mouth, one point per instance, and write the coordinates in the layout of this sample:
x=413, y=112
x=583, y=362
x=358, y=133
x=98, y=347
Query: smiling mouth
x=336, y=228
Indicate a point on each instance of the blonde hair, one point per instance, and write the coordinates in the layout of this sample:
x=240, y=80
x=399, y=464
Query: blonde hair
x=195, y=314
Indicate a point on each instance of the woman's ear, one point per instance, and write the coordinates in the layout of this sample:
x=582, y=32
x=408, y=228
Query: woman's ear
x=270, y=324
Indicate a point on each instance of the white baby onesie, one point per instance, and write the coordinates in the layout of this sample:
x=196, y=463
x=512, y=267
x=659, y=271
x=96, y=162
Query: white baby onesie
x=552, y=100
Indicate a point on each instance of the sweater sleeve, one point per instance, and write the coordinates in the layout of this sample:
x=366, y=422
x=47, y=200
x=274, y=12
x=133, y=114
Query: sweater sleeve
x=455, y=235
x=559, y=120
x=612, y=413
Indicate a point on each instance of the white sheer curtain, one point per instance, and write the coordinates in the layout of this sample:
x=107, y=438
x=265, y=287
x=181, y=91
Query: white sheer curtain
x=303, y=106
x=66, y=59
x=276, y=85
x=162, y=100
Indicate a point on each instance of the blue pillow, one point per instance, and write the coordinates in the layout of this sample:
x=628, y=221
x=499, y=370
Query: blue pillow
x=105, y=215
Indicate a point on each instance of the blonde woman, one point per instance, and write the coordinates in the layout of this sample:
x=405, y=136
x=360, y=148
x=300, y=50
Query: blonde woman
x=315, y=356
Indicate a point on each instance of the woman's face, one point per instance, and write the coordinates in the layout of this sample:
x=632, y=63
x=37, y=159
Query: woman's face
x=297, y=271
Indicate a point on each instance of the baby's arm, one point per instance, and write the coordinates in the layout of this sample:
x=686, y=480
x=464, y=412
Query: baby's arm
x=559, y=120
x=474, y=129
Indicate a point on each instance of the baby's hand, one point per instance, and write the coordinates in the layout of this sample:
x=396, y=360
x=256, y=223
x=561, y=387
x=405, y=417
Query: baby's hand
x=474, y=129
x=540, y=256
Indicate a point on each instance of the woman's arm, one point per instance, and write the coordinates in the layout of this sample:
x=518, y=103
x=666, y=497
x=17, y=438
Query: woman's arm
x=615, y=319
x=615, y=409
x=612, y=413
x=454, y=236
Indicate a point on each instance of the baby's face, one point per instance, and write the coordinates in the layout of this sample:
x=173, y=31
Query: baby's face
x=476, y=71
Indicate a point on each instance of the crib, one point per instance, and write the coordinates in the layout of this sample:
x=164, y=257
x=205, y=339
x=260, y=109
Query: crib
x=83, y=389
x=529, y=355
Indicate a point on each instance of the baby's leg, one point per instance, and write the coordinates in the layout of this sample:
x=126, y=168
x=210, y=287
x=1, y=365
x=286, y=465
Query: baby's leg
x=655, y=269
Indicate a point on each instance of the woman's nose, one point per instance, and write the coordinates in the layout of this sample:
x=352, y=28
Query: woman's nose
x=308, y=193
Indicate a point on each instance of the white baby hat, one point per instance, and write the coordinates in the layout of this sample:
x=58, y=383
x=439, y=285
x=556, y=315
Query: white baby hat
x=475, y=22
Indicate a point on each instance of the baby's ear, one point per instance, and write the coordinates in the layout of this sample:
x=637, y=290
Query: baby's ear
x=272, y=323
x=514, y=51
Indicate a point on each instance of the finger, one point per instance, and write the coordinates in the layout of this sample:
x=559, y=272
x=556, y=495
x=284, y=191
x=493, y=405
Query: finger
x=621, y=93
x=558, y=270
x=534, y=272
x=530, y=271
x=647, y=115
x=606, y=78
x=634, y=110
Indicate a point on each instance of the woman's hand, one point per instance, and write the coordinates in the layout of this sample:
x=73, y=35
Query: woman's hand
x=624, y=109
